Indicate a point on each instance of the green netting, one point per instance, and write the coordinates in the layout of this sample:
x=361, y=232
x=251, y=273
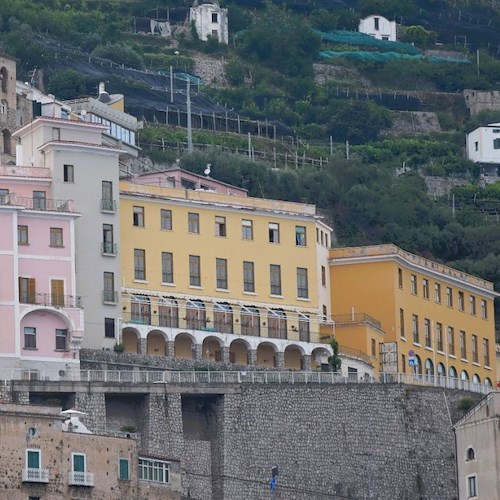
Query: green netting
x=385, y=56
x=196, y=80
x=357, y=38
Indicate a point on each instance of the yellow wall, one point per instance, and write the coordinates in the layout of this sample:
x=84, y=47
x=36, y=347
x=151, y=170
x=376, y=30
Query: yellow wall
x=373, y=287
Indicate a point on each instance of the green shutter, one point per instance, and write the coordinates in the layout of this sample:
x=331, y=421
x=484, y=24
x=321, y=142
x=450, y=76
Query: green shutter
x=78, y=463
x=33, y=459
x=123, y=468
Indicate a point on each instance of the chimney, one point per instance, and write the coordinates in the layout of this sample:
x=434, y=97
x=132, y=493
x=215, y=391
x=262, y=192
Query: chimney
x=102, y=88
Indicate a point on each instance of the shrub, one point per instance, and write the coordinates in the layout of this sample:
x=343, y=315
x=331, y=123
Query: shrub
x=465, y=403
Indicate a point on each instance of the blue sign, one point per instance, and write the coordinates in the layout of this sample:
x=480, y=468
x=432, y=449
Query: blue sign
x=273, y=483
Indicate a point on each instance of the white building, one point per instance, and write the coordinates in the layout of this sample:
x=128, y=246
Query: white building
x=86, y=170
x=210, y=20
x=483, y=146
x=379, y=27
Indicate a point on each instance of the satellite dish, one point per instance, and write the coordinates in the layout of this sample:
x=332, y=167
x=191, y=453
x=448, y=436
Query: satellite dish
x=83, y=112
x=207, y=170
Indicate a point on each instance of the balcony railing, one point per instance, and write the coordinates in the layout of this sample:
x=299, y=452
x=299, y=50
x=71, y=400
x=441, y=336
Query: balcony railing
x=109, y=248
x=108, y=205
x=355, y=353
x=35, y=475
x=346, y=319
x=109, y=297
x=44, y=204
x=81, y=478
x=47, y=299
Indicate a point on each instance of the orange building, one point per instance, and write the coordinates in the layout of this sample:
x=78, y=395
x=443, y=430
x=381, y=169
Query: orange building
x=437, y=321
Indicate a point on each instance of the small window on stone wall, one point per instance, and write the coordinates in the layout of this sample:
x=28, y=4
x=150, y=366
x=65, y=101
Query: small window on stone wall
x=470, y=455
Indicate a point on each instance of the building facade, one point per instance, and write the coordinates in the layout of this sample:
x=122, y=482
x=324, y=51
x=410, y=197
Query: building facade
x=210, y=20
x=223, y=277
x=483, y=147
x=379, y=27
x=42, y=315
x=439, y=321
x=85, y=171
x=478, y=450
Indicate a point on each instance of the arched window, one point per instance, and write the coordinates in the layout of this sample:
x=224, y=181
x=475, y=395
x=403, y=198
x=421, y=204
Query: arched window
x=4, y=78
x=168, y=312
x=4, y=107
x=452, y=372
x=223, y=318
x=476, y=379
x=464, y=375
x=140, y=310
x=429, y=370
x=470, y=454
x=487, y=382
x=250, y=321
x=277, y=324
x=417, y=367
x=196, y=315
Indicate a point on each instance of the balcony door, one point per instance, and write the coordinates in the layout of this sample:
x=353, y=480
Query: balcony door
x=57, y=292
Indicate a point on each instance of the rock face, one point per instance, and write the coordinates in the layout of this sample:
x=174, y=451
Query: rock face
x=210, y=69
x=328, y=441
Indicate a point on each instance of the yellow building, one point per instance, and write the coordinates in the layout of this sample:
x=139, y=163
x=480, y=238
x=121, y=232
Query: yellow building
x=211, y=273
x=438, y=321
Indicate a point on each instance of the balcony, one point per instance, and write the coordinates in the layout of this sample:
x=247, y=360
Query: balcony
x=108, y=248
x=42, y=204
x=47, y=299
x=109, y=297
x=108, y=205
x=356, y=318
x=80, y=478
x=35, y=475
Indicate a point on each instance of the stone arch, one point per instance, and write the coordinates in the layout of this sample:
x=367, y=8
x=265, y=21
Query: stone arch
x=156, y=343
x=238, y=352
x=184, y=345
x=130, y=340
x=211, y=348
x=4, y=79
x=294, y=357
x=319, y=357
x=7, y=141
x=266, y=354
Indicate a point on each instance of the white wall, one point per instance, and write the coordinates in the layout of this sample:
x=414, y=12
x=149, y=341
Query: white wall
x=480, y=144
x=205, y=26
x=378, y=27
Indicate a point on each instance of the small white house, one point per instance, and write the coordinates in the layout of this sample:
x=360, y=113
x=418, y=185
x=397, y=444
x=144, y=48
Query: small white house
x=379, y=27
x=483, y=146
x=210, y=20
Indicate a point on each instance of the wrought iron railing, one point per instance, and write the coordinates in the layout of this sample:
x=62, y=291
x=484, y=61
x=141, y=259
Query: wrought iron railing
x=364, y=318
x=108, y=205
x=109, y=248
x=44, y=204
x=110, y=296
x=48, y=299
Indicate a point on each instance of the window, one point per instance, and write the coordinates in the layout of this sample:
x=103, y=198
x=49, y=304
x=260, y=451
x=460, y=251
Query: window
x=439, y=336
x=168, y=312
x=400, y=277
x=472, y=480
x=68, y=173
x=374, y=347
x=470, y=454
x=472, y=300
x=139, y=264
x=484, y=309
x=425, y=288
x=496, y=143
x=194, y=270
x=376, y=21
x=413, y=284
x=451, y=340
x=449, y=297
x=166, y=219
x=109, y=294
x=474, y=349
x=154, y=470
x=247, y=229
x=463, y=345
x=403, y=363
x=476, y=146
x=275, y=278
x=437, y=293
x=274, y=232
x=4, y=196
x=416, y=336
x=215, y=17
x=304, y=328
x=300, y=236
x=276, y=324
x=61, y=340
x=427, y=332
x=248, y=277
x=29, y=337
x=56, y=237
x=302, y=285
x=250, y=321
x=325, y=313
x=22, y=235
x=193, y=223
x=27, y=293
x=140, y=310
x=323, y=275
x=486, y=352
x=223, y=320
x=78, y=462
x=39, y=200
x=461, y=301
x=138, y=216
x=108, y=239
x=57, y=292
x=167, y=267
x=33, y=459
x=402, y=322
x=221, y=273
x=107, y=203
x=109, y=328
x=220, y=226
x=123, y=469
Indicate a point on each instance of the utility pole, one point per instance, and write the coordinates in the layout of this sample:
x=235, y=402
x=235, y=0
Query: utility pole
x=171, y=84
x=188, y=117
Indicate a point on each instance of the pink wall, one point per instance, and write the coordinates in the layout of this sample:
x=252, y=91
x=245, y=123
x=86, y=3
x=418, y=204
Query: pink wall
x=6, y=222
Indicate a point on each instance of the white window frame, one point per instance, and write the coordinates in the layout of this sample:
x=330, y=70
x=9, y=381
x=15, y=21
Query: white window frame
x=467, y=485
x=35, y=450
x=153, y=464
x=84, y=455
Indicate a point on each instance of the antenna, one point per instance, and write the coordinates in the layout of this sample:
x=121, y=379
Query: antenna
x=207, y=170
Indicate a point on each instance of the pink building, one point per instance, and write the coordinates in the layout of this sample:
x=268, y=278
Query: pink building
x=41, y=316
